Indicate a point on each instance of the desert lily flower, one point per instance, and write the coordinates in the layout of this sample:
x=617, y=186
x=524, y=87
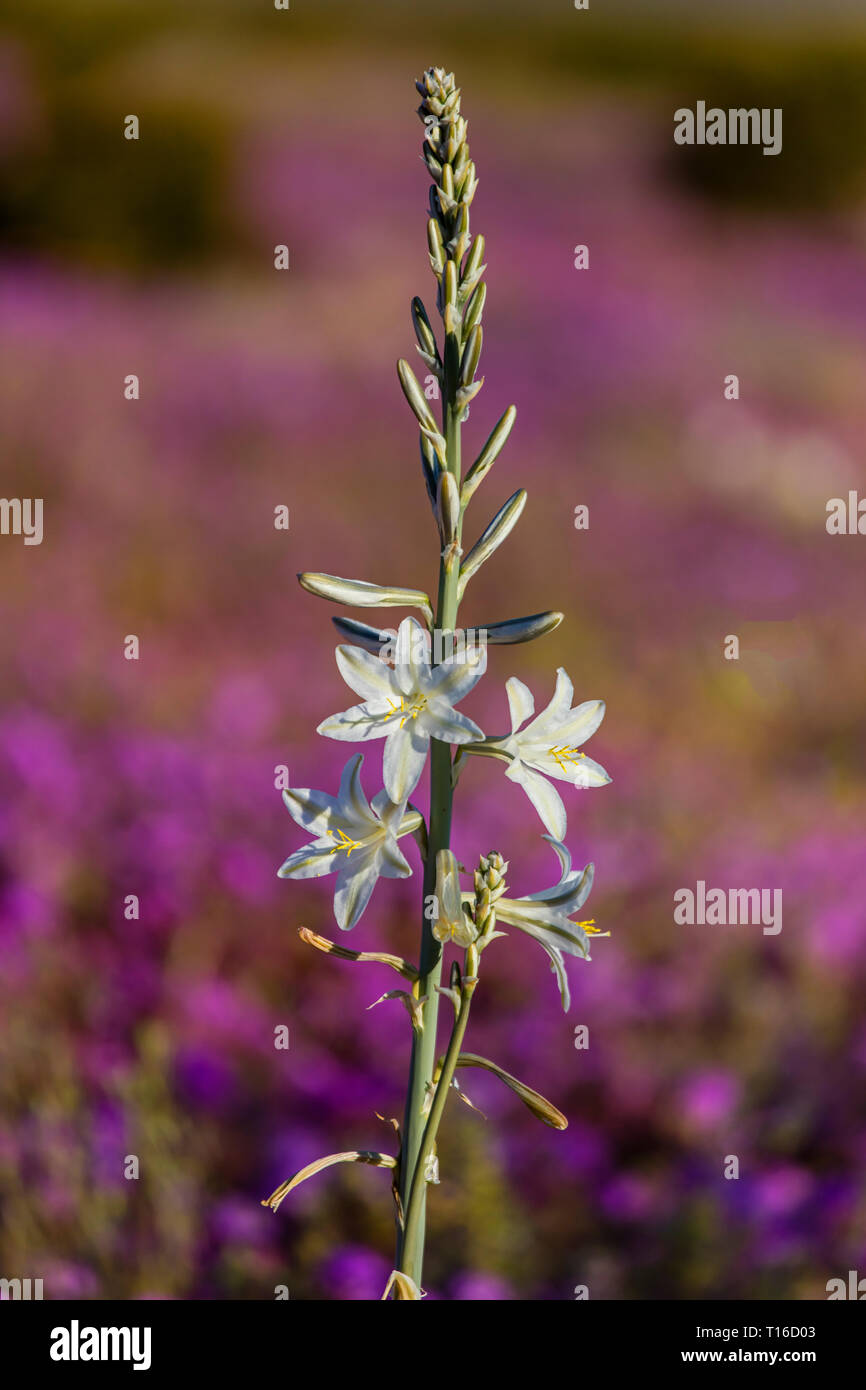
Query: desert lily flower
x=549, y=746
x=454, y=921
x=546, y=916
x=356, y=839
x=407, y=704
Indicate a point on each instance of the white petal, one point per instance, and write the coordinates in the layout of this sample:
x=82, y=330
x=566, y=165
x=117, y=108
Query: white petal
x=403, y=762
x=589, y=774
x=547, y=944
x=312, y=861
x=520, y=702
x=563, y=855
x=356, y=879
x=557, y=965
x=563, y=694
x=545, y=924
x=410, y=665
x=581, y=723
x=455, y=678
x=311, y=809
x=581, y=889
x=360, y=723
x=569, y=894
x=389, y=812
x=366, y=674
x=352, y=797
x=544, y=797
x=449, y=725
x=393, y=862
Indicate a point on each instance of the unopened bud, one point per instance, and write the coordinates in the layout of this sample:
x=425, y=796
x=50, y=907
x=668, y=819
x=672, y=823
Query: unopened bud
x=435, y=246
x=447, y=507
x=471, y=354
x=489, y=454
x=415, y=396
x=493, y=536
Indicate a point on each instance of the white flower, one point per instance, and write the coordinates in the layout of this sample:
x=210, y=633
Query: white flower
x=355, y=838
x=453, y=922
x=549, y=747
x=546, y=916
x=407, y=705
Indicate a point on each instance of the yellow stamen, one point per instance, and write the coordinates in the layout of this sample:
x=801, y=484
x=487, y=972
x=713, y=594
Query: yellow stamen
x=407, y=711
x=344, y=842
x=565, y=755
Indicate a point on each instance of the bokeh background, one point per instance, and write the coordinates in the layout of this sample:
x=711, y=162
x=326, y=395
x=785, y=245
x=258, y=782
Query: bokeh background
x=156, y=778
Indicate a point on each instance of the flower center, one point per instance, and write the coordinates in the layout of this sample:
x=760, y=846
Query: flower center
x=406, y=708
x=346, y=842
x=565, y=755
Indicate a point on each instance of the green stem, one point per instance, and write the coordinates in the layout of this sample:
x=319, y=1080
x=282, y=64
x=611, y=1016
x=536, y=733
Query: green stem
x=423, y=1057
x=413, y=1238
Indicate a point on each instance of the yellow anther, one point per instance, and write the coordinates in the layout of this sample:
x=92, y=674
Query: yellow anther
x=566, y=755
x=408, y=712
x=396, y=709
x=344, y=842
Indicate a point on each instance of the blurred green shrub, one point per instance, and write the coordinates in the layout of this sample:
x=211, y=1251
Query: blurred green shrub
x=72, y=186
x=88, y=193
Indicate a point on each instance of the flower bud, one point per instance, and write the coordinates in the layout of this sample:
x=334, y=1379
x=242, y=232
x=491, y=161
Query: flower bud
x=466, y=395
x=359, y=594
x=474, y=308
x=430, y=467
x=522, y=629
x=372, y=639
x=435, y=246
x=453, y=923
x=471, y=354
x=449, y=284
x=489, y=454
x=501, y=526
x=424, y=332
x=415, y=396
x=447, y=507
x=474, y=259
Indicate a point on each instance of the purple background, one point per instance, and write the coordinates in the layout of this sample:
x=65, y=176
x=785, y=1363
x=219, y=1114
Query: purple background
x=707, y=518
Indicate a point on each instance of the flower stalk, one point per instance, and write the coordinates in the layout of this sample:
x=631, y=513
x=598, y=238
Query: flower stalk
x=446, y=153
x=410, y=684
x=411, y=1255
